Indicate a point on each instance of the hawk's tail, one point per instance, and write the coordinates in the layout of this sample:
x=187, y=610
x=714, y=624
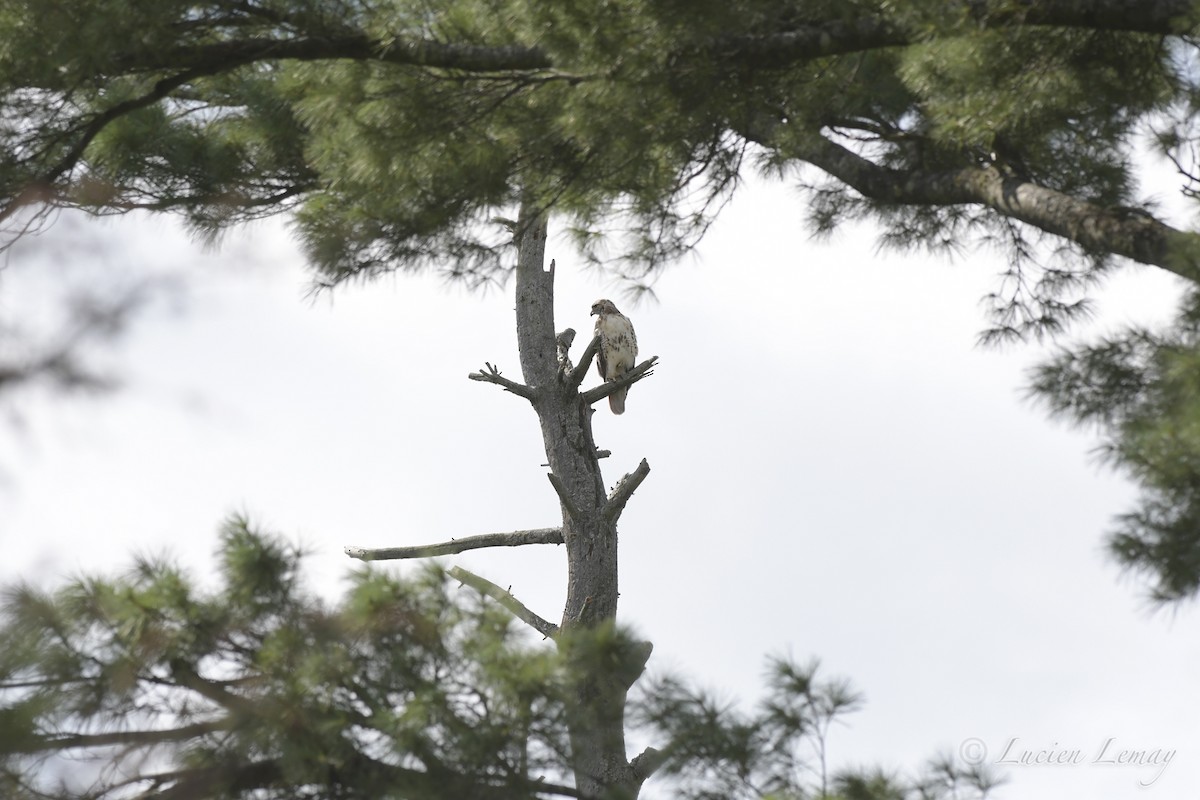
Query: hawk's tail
x=616, y=400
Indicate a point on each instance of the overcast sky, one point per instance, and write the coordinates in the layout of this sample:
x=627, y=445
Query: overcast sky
x=837, y=471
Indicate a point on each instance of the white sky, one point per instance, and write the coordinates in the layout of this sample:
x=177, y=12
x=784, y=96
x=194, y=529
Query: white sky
x=837, y=471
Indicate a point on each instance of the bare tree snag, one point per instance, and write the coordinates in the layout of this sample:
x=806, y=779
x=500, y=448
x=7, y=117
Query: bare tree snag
x=597, y=718
x=602, y=664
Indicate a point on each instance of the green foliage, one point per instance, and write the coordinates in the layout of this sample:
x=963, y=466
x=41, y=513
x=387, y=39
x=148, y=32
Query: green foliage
x=256, y=689
x=942, y=778
x=629, y=119
x=394, y=133
x=781, y=750
x=1142, y=391
x=408, y=688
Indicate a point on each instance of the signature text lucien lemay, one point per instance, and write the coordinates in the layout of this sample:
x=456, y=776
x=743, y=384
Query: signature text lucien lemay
x=1111, y=752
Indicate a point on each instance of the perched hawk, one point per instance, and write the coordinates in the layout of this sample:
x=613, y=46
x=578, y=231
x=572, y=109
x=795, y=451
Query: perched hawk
x=618, y=349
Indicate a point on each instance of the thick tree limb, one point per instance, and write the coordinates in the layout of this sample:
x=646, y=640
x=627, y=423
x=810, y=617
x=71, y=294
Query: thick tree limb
x=202, y=783
x=504, y=598
x=642, y=370
x=771, y=49
x=645, y=764
x=129, y=738
x=512, y=539
x=1095, y=228
x=187, y=677
x=189, y=62
x=806, y=42
x=491, y=374
x=779, y=49
x=801, y=43
x=224, y=56
x=1163, y=17
x=624, y=490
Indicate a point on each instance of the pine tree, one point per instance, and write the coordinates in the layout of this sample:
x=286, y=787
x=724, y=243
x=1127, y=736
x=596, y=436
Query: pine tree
x=401, y=135
x=395, y=131
x=1142, y=390
x=147, y=686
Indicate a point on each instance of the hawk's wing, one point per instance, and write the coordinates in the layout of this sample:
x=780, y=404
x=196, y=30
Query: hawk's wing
x=618, y=352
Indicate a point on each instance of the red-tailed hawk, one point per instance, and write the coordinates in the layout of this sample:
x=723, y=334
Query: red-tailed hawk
x=618, y=349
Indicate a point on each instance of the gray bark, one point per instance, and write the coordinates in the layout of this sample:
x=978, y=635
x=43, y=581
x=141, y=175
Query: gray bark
x=597, y=717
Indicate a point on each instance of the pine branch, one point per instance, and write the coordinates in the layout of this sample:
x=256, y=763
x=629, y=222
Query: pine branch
x=357, y=769
x=624, y=490
x=187, y=677
x=1162, y=17
x=491, y=374
x=801, y=43
x=642, y=370
x=199, y=783
x=1095, y=228
x=512, y=539
x=40, y=188
x=506, y=599
x=224, y=56
x=190, y=62
x=806, y=42
x=129, y=738
x=245, y=201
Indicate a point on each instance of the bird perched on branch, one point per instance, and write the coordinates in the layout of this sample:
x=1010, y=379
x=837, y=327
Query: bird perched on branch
x=618, y=349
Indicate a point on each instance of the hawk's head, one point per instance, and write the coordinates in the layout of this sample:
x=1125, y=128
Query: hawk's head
x=604, y=307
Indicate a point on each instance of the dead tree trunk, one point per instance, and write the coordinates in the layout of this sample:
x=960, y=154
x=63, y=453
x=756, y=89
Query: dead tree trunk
x=602, y=664
x=597, y=724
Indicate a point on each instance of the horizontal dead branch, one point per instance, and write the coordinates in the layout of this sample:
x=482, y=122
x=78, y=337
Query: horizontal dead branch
x=504, y=598
x=491, y=374
x=642, y=370
x=512, y=539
